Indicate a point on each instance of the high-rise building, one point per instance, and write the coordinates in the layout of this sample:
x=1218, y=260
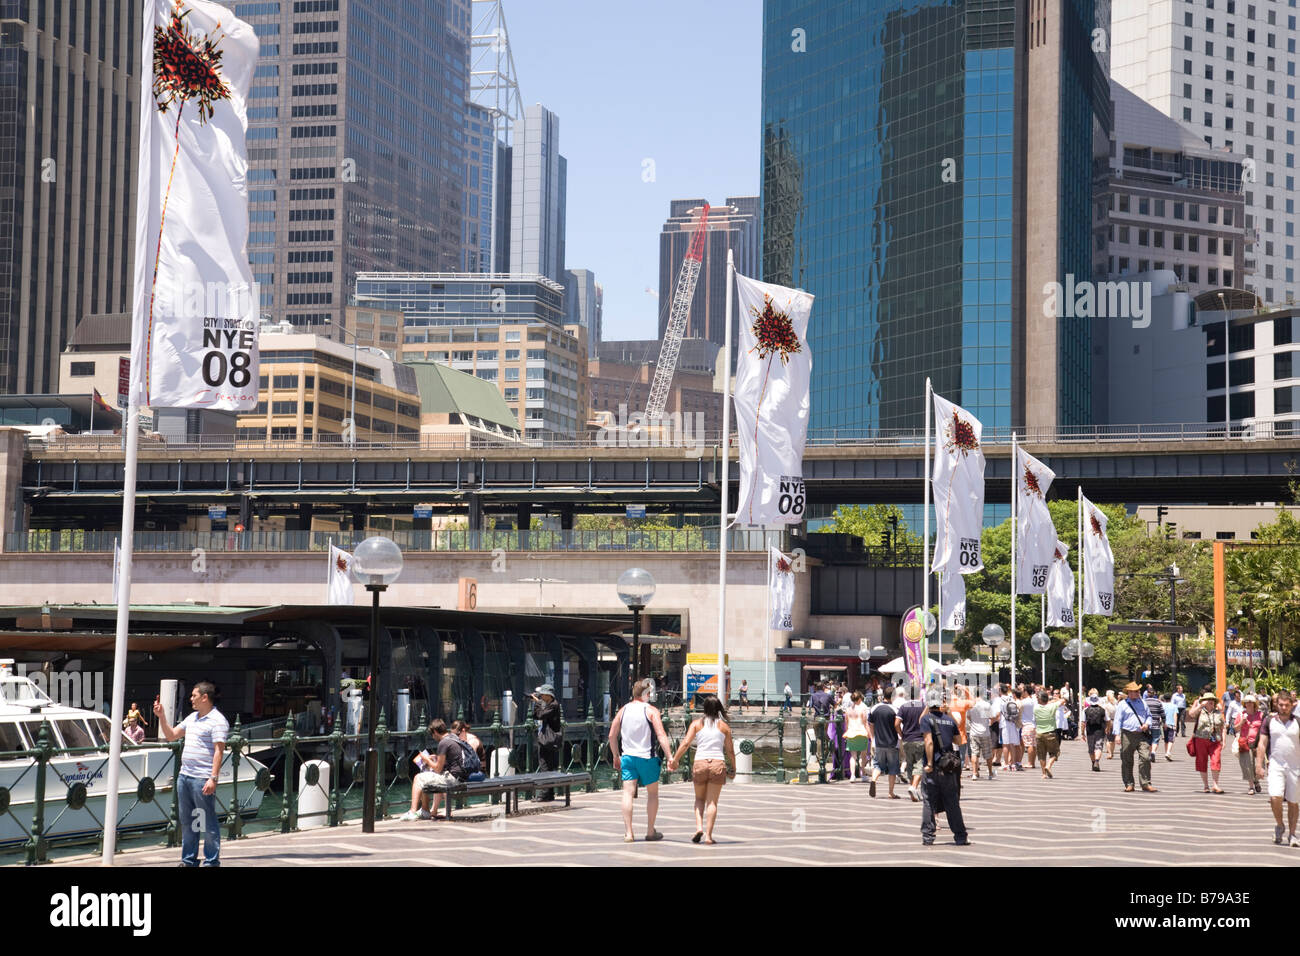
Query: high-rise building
x=1230, y=74
x=355, y=146
x=480, y=150
x=926, y=173
x=69, y=149
x=538, y=177
x=584, y=304
x=733, y=225
x=506, y=329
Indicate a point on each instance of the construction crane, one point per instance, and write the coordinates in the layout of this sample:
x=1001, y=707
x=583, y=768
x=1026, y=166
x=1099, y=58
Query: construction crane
x=677, y=316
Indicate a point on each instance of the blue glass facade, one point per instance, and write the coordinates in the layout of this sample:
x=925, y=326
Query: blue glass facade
x=889, y=192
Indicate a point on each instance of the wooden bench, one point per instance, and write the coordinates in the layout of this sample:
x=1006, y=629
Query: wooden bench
x=511, y=787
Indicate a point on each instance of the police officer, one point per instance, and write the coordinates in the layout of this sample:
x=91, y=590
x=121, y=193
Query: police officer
x=940, y=789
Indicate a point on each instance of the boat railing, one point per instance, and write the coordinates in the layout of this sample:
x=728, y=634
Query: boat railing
x=318, y=780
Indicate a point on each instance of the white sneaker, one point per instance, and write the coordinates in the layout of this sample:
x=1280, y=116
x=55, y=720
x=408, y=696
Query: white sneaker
x=1295, y=840
x=426, y=815
x=411, y=816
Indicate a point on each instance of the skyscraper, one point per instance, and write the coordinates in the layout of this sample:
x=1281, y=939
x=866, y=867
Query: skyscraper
x=584, y=302
x=905, y=187
x=538, y=176
x=733, y=225
x=1230, y=74
x=69, y=103
x=356, y=158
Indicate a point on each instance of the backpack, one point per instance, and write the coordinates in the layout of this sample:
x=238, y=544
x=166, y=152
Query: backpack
x=469, y=761
x=1013, y=711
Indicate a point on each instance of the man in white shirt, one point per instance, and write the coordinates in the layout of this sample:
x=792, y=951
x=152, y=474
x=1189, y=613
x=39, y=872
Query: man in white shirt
x=1279, y=746
x=205, y=731
x=979, y=732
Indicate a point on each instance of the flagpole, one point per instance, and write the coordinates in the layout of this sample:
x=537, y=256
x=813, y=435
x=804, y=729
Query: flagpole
x=726, y=461
x=767, y=627
x=925, y=537
x=1015, y=546
x=92, y=412
x=1042, y=626
x=123, y=625
x=939, y=627
x=1082, y=552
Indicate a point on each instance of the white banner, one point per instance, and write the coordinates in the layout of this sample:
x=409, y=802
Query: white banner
x=1060, y=589
x=1099, y=563
x=339, y=581
x=780, y=585
x=952, y=592
x=194, y=343
x=773, y=366
x=958, y=484
x=1034, y=530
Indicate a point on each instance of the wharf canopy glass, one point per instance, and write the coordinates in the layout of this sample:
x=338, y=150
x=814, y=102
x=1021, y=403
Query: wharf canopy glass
x=377, y=560
x=1040, y=642
x=636, y=587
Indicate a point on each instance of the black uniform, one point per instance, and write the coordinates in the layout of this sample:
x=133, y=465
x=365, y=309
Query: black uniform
x=941, y=792
x=549, y=737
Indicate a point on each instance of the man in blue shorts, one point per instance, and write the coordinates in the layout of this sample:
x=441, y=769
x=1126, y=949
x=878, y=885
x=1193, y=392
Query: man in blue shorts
x=636, y=742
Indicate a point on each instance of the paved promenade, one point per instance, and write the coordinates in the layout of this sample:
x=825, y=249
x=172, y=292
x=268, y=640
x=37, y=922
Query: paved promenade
x=1078, y=818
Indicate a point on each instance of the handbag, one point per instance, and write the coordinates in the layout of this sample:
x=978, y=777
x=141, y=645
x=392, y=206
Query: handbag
x=1191, y=750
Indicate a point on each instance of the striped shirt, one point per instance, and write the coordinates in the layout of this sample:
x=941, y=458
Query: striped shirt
x=202, y=734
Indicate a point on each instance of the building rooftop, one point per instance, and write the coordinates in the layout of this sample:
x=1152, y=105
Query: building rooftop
x=107, y=332
x=445, y=390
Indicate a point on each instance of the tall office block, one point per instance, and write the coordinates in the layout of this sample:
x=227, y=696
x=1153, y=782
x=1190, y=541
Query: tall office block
x=584, y=302
x=355, y=145
x=902, y=178
x=1227, y=70
x=69, y=107
x=537, y=195
x=733, y=225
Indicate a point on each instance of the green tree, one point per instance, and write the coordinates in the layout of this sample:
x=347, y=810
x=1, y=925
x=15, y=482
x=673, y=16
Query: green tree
x=871, y=523
x=1264, y=586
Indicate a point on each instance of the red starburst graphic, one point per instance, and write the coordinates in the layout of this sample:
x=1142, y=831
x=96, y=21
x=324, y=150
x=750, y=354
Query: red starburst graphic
x=961, y=435
x=783, y=565
x=1060, y=555
x=341, y=563
x=186, y=67
x=1096, y=525
x=774, y=332
x=1031, y=482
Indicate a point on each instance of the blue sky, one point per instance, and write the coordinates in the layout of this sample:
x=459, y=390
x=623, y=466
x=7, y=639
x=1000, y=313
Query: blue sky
x=673, y=81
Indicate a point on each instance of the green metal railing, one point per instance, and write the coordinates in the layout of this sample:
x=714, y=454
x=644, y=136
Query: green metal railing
x=585, y=748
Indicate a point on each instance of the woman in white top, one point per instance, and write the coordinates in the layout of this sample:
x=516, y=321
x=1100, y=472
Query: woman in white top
x=1110, y=703
x=713, y=747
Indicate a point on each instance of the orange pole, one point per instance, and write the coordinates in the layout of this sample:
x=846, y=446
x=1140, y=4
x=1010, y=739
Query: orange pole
x=1220, y=620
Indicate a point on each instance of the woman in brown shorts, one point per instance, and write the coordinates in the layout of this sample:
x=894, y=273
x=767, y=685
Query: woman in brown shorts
x=713, y=748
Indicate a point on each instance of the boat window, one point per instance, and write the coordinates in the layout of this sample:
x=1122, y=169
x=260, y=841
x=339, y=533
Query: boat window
x=99, y=731
x=11, y=738
x=74, y=733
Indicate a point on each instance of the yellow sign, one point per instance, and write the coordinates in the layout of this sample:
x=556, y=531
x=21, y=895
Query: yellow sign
x=699, y=660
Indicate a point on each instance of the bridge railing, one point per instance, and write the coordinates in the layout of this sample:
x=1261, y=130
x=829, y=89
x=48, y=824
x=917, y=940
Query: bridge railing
x=660, y=540
x=1249, y=430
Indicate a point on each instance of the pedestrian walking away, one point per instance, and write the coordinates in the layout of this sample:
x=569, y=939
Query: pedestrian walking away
x=885, y=730
x=636, y=742
x=1131, y=726
x=1095, y=725
x=1110, y=703
x=857, y=738
x=942, y=788
x=1249, y=723
x=1278, y=762
x=1018, y=721
x=787, y=707
x=980, y=719
x=913, y=742
x=204, y=730
x=1179, y=700
x=1207, y=740
x=1171, y=724
x=715, y=761
x=744, y=695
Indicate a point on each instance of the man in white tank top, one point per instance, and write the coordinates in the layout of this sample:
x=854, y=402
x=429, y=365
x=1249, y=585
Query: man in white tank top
x=632, y=737
x=1279, y=745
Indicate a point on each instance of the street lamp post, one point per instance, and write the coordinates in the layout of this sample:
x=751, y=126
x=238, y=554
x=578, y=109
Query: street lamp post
x=1041, y=642
x=352, y=412
x=636, y=586
x=993, y=635
x=376, y=563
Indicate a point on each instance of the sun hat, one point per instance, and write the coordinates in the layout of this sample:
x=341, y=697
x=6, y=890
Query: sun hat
x=1207, y=696
x=1250, y=699
x=1131, y=686
x=545, y=689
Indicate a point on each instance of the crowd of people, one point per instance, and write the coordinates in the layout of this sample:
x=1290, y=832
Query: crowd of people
x=1014, y=729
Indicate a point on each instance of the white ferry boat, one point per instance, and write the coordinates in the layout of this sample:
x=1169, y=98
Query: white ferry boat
x=24, y=707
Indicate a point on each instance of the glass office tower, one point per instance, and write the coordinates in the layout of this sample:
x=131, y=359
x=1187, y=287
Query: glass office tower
x=894, y=178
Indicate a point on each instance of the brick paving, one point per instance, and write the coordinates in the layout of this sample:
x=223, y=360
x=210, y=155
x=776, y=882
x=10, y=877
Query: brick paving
x=1078, y=818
